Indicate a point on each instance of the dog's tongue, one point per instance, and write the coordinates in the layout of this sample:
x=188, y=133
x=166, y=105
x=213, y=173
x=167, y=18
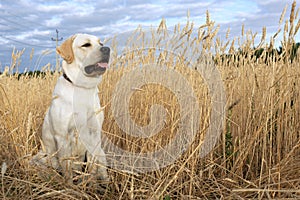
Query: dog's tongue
x=103, y=65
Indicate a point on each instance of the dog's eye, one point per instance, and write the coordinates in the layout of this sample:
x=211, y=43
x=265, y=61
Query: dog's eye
x=101, y=44
x=86, y=45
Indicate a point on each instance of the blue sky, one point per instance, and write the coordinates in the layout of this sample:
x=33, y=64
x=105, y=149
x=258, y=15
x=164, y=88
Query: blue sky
x=32, y=23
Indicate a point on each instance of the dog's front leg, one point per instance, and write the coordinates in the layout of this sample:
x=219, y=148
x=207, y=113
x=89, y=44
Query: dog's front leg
x=91, y=137
x=96, y=159
x=97, y=164
x=64, y=153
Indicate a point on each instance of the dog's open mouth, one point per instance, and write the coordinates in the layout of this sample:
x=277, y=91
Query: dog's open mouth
x=96, y=69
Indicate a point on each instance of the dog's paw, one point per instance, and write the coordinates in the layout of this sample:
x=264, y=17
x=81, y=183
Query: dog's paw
x=39, y=160
x=43, y=160
x=102, y=175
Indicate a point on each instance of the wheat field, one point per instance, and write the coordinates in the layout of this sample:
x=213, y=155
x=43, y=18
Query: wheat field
x=256, y=156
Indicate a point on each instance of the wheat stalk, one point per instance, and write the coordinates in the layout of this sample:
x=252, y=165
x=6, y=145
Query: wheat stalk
x=292, y=14
x=243, y=30
x=282, y=15
x=297, y=27
x=227, y=33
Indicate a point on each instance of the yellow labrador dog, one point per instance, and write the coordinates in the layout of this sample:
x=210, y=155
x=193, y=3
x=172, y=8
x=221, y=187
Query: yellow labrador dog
x=71, y=133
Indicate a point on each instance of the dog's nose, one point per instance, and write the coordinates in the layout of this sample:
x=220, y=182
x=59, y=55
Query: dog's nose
x=105, y=50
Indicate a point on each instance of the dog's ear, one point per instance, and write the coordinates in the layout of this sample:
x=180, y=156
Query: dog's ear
x=65, y=50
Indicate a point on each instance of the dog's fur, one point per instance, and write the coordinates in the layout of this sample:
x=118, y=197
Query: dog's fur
x=71, y=133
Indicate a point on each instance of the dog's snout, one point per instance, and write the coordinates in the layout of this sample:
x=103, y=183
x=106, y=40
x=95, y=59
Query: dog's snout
x=105, y=50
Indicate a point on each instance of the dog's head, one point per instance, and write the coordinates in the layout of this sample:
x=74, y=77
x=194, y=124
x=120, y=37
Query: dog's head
x=84, y=54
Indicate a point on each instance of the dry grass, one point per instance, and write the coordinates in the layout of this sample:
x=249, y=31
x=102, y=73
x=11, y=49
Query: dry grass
x=257, y=155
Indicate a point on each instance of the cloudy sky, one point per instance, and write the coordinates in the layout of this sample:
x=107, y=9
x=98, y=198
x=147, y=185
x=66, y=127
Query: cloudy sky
x=32, y=23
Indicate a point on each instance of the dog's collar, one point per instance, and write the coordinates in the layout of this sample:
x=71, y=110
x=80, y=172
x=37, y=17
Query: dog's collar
x=67, y=78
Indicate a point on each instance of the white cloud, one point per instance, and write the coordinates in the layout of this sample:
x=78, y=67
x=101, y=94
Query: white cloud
x=94, y=29
x=50, y=8
x=53, y=22
x=31, y=36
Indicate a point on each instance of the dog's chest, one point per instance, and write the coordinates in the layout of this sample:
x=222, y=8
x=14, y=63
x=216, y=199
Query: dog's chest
x=79, y=107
